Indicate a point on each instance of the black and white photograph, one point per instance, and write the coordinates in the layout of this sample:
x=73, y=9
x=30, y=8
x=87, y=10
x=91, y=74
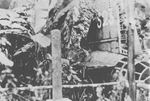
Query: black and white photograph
x=74, y=50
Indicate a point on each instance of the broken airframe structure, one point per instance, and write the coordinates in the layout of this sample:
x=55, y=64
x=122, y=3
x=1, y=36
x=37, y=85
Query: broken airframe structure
x=114, y=40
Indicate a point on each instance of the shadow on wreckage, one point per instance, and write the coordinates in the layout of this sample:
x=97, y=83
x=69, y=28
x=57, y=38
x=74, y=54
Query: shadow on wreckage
x=100, y=72
x=26, y=63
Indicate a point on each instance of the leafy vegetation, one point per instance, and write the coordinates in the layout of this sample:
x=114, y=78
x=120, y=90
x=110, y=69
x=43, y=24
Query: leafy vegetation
x=26, y=60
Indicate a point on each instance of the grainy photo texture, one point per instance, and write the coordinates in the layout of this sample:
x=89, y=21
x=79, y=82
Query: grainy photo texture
x=74, y=50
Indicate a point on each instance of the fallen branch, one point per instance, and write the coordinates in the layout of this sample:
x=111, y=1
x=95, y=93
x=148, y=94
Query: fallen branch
x=64, y=86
